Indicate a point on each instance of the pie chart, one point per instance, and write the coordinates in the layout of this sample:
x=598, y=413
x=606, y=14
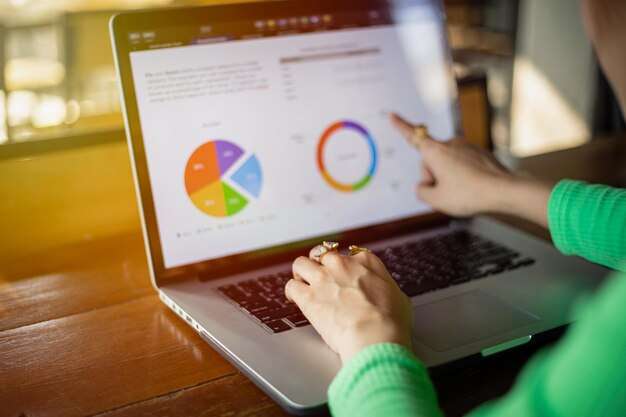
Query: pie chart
x=221, y=178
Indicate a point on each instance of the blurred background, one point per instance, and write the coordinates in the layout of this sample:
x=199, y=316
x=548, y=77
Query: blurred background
x=544, y=88
x=529, y=83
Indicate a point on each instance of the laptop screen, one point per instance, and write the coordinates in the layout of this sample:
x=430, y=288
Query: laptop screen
x=259, y=132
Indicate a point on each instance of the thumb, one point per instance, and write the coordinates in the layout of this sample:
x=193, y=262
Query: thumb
x=427, y=193
x=428, y=178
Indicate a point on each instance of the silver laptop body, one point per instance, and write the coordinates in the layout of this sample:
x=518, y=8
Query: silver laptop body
x=257, y=130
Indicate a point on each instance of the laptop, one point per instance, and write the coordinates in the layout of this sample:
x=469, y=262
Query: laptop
x=258, y=130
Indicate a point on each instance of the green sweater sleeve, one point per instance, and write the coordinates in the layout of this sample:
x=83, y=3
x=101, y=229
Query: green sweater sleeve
x=383, y=380
x=589, y=221
x=585, y=374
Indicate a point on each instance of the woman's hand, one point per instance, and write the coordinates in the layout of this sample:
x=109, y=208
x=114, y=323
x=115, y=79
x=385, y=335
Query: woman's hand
x=462, y=180
x=351, y=301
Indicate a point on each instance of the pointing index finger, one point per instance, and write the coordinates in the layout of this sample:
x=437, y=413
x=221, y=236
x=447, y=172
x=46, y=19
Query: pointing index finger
x=417, y=135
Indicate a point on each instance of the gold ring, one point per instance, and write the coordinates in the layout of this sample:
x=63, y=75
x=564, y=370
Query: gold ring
x=420, y=133
x=354, y=249
x=330, y=245
x=324, y=248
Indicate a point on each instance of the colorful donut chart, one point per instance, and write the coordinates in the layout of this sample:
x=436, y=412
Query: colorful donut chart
x=345, y=124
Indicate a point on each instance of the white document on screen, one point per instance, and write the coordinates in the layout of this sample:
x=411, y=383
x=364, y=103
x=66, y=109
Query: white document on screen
x=257, y=143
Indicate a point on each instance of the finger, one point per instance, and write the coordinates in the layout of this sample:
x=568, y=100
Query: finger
x=304, y=297
x=458, y=140
x=408, y=131
x=306, y=270
x=326, y=259
x=368, y=259
x=298, y=292
x=427, y=194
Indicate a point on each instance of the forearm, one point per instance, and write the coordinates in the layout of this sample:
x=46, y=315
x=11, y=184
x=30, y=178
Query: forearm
x=584, y=220
x=522, y=196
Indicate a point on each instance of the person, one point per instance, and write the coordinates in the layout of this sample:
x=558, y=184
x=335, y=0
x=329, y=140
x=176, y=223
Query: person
x=361, y=313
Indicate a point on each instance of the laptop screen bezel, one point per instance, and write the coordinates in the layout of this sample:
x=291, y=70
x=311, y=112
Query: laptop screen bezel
x=124, y=23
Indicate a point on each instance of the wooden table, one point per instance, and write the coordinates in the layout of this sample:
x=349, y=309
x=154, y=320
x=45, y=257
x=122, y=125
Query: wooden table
x=82, y=332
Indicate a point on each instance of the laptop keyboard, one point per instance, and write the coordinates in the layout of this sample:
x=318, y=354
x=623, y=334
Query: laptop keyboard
x=418, y=267
x=449, y=259
x=264, y=299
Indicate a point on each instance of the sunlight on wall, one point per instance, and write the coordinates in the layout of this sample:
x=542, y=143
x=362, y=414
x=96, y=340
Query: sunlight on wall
x=3, y=111
x=31, y=72
x=50, y=111
x=554, y=79
x=542, y=120
x=20, y=105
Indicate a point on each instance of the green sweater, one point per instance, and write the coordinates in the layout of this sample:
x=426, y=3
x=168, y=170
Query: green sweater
x=583, y=375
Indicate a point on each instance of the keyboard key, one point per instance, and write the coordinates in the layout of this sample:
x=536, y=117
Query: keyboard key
x=251, y=287
x=232, y=292
x=298, y=320
x=252, y=299
x=262, y=306
x=460, y=279
x=525, y=262
x=268, y=315
x=278, y=326
x=478, y=275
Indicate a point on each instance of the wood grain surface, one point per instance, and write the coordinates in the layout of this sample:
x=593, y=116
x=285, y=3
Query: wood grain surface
x=214, y=398
x=82, y=332
x=73, y=279
x=102, y=359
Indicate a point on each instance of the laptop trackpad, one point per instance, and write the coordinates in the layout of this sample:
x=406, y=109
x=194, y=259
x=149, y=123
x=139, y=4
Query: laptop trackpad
x=456, y=321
